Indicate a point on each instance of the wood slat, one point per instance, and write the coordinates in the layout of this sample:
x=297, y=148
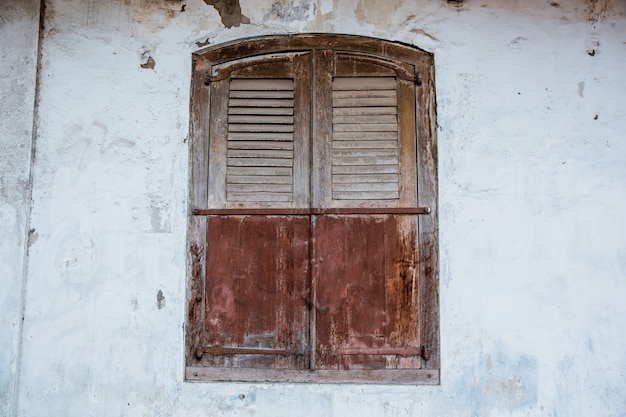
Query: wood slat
x=259, y=119
x=260, y=102
x=365, y=186
x=261, y=145
x=259, y=162
x=365, y=135
x=370, y=118
x=365, y=144
x=366, y=178
x=360, y=153
x=259, y=153
x=259, y=188
x=255, y=170
x=260, y=94
x=260, y=136
x=364, y=83
x=347, y=195
x=261, y=84
x=259, y=197
x=370, y=127
x=259, y=128
x=359, y=111
x=365, y=169
x=364, y=102
x=261, y=110
x=259, y=179
x=369, y=93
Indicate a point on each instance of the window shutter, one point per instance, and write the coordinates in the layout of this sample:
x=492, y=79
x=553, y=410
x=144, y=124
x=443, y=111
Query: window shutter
x=260, y=140
x=256, y=291
x=257, y=285
x=259, y=144
x=366, y=266
x=308, y=261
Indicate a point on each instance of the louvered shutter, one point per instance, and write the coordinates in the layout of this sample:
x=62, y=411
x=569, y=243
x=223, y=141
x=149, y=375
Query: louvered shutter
x=365, y=146
x=260, y=140
x=366, y=265
x=257, y=283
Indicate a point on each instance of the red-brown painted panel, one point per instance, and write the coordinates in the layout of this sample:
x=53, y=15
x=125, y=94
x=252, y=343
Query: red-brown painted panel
x=365, y=277
x=257, y=291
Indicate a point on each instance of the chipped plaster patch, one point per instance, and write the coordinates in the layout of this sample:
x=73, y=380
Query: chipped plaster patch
x=160, y=300
x=230, y=12
x=326, y=6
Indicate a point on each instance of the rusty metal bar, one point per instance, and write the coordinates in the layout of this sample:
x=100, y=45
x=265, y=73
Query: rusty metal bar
x=371, y=210
x=308, y=211
x=405, y=351
x=221, y=351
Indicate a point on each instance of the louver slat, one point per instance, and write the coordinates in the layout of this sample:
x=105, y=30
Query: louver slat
x=260, y=140
x=365, y=151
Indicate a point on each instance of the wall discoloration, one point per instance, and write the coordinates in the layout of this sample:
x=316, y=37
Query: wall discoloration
x=370, y=11
x=290, y=12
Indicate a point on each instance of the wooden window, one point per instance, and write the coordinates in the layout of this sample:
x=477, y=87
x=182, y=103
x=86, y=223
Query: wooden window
x=313, y=213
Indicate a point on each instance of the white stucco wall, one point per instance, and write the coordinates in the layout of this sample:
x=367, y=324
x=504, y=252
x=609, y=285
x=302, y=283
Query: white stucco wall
x=19, y=29
x=532, y=192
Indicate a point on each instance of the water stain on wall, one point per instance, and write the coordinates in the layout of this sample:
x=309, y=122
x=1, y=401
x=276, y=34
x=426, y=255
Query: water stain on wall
x=500, y=380
x=371, y=11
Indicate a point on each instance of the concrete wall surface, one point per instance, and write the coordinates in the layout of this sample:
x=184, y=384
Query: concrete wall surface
x=532, y=182
x=19, y=33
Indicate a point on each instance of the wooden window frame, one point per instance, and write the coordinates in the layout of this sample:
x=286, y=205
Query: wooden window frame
x=205, y=67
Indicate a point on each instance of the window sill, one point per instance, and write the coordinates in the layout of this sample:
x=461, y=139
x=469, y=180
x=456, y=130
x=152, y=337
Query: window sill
x=383, y=376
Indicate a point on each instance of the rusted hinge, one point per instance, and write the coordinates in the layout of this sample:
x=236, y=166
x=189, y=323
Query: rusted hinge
x=405, y=352
x=221, y=351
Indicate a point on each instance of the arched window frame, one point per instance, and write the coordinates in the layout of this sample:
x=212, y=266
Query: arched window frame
x=413, y=68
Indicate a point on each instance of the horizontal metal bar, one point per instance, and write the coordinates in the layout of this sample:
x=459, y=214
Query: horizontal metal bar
x=405, y=352
x=221, y=351
x=308, y=211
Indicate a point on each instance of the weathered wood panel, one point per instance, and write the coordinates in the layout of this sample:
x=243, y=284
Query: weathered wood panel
x=366, y=286
x=256, y=291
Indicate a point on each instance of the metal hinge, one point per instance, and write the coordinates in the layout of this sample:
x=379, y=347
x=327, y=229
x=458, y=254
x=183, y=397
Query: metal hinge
x=221, y=351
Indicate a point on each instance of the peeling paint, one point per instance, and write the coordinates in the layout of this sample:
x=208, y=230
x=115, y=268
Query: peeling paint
x=149, y=64
x=160, y=300
x=230, y=12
